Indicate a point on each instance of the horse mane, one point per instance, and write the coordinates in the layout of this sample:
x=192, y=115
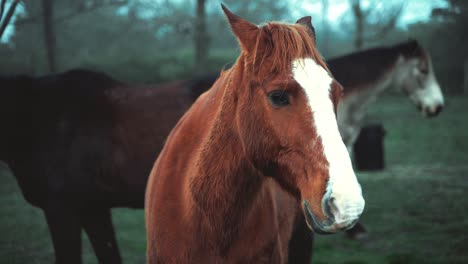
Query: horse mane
x=365, y=67
x=282, y=43
x=410, y=49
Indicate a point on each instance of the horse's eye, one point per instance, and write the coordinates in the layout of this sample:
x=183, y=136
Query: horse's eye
x=279, y=98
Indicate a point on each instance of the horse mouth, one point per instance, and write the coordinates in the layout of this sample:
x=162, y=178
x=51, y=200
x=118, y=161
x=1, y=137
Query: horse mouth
x=317, y=226
x=434, y=112
x=430, y=111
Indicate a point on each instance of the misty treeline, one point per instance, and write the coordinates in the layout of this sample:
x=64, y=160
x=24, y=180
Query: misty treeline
x=151, y=41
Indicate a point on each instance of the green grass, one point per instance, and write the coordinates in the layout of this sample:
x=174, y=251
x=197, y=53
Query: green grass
x=416, y=209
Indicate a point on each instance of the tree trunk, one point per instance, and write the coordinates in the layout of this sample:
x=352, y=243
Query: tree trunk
x=359, y=20
x=325, y=31
x=465, y=77
x=49, y=33
x=201, y=39
x=4, y=22
x=2, y=7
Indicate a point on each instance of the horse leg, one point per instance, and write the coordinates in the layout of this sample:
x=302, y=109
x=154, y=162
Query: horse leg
x=65, y=230
x=300, y=244
x=97, y=223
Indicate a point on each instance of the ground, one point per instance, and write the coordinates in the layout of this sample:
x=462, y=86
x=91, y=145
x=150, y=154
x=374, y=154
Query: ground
x=416, y=209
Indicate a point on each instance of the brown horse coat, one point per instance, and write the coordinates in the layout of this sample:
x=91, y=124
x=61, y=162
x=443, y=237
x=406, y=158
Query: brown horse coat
x=230, y=181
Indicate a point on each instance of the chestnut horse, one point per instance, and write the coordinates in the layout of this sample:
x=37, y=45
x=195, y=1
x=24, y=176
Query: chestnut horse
x=80, y=143
x=256, y=154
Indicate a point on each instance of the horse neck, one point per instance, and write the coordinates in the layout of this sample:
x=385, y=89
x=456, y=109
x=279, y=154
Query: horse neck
x=225, y=183
x=397, y=70
x=368, y=91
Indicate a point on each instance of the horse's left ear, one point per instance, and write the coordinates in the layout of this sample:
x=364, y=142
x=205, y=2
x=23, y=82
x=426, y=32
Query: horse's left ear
x=307, y=21
x=245, y=31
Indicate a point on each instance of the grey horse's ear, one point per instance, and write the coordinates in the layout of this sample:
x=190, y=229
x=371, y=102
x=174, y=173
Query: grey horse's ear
x=413, y=45
x=307, y=21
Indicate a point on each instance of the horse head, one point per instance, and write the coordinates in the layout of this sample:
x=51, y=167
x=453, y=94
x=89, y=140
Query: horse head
x=286, y=115
x=417, y=79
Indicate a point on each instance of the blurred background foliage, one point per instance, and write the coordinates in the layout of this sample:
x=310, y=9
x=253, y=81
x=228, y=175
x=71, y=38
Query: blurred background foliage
x=151, y=41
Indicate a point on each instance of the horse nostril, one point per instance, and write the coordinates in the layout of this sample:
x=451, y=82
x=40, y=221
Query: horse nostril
x=438, y=109
x=330, y=208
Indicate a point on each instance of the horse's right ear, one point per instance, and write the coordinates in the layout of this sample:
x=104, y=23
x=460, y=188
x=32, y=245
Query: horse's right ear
x=245, y=32
x=307, y=21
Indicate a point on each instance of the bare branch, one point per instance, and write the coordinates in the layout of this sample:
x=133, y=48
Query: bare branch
x=373, y=22
x=383, y=26
x=8, y=16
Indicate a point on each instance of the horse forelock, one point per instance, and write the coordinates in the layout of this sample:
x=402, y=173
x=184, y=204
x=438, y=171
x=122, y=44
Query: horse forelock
x=279, y=44
x=278, y=47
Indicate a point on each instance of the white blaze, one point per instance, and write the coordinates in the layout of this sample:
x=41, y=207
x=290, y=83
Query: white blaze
x=424, y=90
x=431, y=96
x=343, y=187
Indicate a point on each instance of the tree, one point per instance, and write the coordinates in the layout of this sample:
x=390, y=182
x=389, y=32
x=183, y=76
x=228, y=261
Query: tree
x=373, y=22
x=455, y=33
x=359, y=20
x=201, y=39
x=325, y=29
x=74, y=9
x=49, y=33
x=4, y=21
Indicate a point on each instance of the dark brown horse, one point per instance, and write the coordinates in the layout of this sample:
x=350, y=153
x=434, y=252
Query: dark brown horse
x=80, y=143
x=254, y=156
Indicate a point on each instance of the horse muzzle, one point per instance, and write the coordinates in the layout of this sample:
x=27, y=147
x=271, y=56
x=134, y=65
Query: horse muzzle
x=334, y=221
x=430, y=111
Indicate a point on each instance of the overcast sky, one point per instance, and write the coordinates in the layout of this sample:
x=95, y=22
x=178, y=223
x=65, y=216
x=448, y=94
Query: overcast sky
x=414, y=11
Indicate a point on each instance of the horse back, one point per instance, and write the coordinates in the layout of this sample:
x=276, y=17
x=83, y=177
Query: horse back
x=40, y=117
x=83, y=136
x=358, y=71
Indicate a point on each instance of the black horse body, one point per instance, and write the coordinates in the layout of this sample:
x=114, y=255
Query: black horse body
x=80, y=143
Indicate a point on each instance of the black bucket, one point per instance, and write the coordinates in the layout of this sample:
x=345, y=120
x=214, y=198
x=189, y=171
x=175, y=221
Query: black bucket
x=369, y=148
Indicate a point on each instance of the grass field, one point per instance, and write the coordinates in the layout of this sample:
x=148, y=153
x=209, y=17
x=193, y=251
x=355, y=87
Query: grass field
x=416, y=209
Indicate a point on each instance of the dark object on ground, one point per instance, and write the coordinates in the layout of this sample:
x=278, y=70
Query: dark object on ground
x=369, y=148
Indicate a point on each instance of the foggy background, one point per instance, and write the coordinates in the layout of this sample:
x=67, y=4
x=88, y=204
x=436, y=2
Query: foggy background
x=151, y=41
